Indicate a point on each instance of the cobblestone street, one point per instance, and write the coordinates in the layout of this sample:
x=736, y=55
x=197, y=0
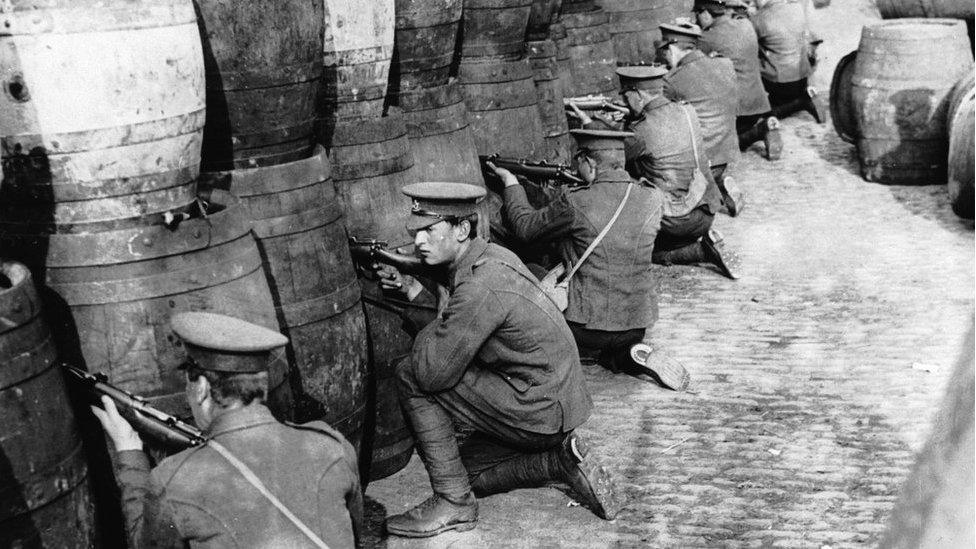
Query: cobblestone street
x=814, y=377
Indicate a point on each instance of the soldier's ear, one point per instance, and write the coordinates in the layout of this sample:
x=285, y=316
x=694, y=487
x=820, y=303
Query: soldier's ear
x=463, y=230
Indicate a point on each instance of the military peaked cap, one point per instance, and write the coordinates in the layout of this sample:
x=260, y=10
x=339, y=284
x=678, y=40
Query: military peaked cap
x=641, y=77
x=226, y=344
x=680, y=32
x=713, y=5
x=435, y=201
x=597, y=140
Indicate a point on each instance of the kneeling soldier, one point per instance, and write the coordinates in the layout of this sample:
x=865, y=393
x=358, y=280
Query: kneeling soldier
x=500, y=363
x=255, y=482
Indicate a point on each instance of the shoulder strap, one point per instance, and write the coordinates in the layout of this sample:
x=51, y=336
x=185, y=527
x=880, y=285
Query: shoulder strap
x=256, y=482
x=600, y=236
x=691, y=132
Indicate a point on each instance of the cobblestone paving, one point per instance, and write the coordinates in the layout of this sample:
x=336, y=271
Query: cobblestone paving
x=815, y=376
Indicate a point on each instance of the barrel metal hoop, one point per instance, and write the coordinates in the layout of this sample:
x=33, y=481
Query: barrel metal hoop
x=322, y=307
x=266, y=77
x=309, y=220
x=27, y=362
x=93, y=16
x=42, y=487
x=411, y=19
x=252, y=182
x=374, y=168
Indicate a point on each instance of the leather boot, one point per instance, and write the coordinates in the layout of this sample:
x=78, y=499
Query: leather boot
x=525, y=471
x=587, y=478
x=435, y=515
x=816, y=105
x=733, y=198
x=726, y=262
x=784, y=110
x=685, y=255
x=660, y=365
x=772, y=138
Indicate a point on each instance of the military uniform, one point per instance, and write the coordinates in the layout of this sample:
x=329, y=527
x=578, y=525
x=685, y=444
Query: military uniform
x=500, y=363
x=613, y=296
x=196, y=498
x=736, y=39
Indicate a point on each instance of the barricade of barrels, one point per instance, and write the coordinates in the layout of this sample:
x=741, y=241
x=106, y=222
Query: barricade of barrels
x=168, y=155
x=905, y=99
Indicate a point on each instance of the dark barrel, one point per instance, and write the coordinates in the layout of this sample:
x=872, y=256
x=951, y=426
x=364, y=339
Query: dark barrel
x=904, y=72
x=841, y=103
x=502, y=106
x=298, y=225
x=494, y=28
x=264, y=68
x=590, y=53
x=44, y=496
x=115, y=291
x=549, y=91
x=426, y=33
x=542, y=15
x=961, y=159
x=634, y=26
x=124, y=145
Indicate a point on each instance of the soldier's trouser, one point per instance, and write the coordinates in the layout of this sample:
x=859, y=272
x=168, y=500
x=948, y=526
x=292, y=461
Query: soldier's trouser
x=460, y=442
x=677, y=241
x=749, y=129
x=787, y=97
x=611, y=349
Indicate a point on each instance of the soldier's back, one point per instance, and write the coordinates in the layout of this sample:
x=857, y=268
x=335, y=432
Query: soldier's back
x=736, y=39
x=707, y=83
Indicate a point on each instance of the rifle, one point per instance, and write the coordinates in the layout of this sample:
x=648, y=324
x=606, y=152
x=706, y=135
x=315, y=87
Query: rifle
x=366, y=250
x=529, y=168
x=594, y=103
x=165, y=428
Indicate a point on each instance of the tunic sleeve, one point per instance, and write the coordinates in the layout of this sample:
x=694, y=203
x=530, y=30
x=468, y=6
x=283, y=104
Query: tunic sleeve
x=529, y=224
x=148, y=521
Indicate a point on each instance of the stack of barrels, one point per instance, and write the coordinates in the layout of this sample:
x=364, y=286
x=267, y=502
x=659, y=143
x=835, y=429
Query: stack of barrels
x=634, y=26
x=891, y=97
x=585, y=48
x=542, y=55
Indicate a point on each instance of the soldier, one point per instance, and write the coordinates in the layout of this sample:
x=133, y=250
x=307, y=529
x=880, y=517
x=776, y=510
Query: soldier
x=499, y=362
x=613, y=295
x=255, y=482
x=707, y=83
x=787, y=55
x=668, y=151
x=736, y=39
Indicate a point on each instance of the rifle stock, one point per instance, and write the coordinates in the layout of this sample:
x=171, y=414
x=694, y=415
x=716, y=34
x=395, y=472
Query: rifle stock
x=535, y=169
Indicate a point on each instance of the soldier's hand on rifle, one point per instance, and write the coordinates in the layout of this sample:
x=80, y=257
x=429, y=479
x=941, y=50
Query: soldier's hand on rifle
x=392, y=280
x=123, y=436
x=507, y=177
x=577, y=113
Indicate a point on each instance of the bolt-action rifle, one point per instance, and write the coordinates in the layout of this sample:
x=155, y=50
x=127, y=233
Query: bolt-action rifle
x=595, y=103
x=557, y=173
x=163, y=427
x=367, y=250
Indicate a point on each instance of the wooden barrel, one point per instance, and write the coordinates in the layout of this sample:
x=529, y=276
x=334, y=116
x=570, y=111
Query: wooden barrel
x=549, y=90
x=634, y=26
x=563, y=61
x=502, y=106
x=298, y=225
x=842, y=112
x=103, y=111
x=113, y=293
x=591, y=59
x=358, y=48
x=494, y=28
x=960, y=93
x=961, y=159
x=904, y=70
x=264, y=68
x=950, y=9
x=576, y=6
x=541, y=16
x=44, y=496
x=426, y=35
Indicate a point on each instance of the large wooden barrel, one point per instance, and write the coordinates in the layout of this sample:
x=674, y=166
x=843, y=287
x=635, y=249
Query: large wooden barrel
x=112, y=294
x=563, y=62
x=44, y=496
x=103, y=111
x=904, y=70
x=951, y=9
x=426, y=35
x=502, y=106
x=358, y=48
x=549, y=90
x=961, y=159
x=297, y=221
x=264, y=69
x=634, y=26
x=842, y=112
x=576, y=6
x=494, y=28
x=590, y=51
x=960, y=93
x=542, y=15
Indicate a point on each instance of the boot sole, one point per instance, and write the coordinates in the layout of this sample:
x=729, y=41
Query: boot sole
x=774, y=145
x=714, y=257
x=459, y=527
x=598, y=490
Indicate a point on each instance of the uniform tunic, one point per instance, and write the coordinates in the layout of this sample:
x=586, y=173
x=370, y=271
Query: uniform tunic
x=615, y=289
x=197, y=499
x=661, y=152
x=706, y=83
x=781, y=26
x=502, y=347
x=736, y=39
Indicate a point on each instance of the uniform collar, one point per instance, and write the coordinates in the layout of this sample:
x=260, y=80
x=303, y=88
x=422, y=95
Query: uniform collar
x=617, y=175
x=655, y=103
x=692, y=56
x=241, y=418
x=462, y=268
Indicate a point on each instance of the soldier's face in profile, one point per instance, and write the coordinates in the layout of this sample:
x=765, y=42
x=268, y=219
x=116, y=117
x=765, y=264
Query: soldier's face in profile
x=439, y=243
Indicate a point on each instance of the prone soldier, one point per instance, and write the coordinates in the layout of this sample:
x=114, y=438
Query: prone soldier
x=705, y=82
x=499, y=362
x=736, y=39
x=254, y=481
x=667, y=150
x=605, y=231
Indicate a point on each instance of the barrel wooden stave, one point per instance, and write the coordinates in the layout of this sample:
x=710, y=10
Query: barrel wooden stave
x=44, y=496
x=426, y=36
x=590, y=51
x=903, y=74
x=634, y=26
x=961, y=157
x=357, y=51
x=138, y=73
x=549, y=91
x=542, y=15
x=952, y=9
x=494, y=28
x=842, y=113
